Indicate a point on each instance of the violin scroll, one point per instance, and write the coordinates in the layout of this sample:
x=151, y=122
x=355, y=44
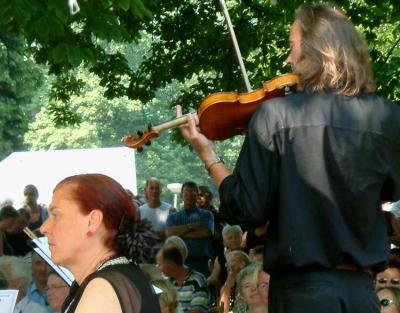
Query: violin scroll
x=139, y=140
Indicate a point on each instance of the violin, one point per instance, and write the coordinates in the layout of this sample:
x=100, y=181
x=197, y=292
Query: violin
x=223, y=115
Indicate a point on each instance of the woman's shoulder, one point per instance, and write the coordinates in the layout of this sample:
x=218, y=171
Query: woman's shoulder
x=99, y=296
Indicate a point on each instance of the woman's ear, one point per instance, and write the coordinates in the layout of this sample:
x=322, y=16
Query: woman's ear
x=95, y=220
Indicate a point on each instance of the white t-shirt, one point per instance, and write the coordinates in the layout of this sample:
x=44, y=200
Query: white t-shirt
x=157, y=216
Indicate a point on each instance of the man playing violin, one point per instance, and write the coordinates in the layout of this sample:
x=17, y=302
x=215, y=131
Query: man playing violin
x=317, y=165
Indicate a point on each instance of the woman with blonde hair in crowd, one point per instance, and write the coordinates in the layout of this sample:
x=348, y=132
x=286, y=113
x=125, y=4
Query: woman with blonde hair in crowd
x=253, y=287
x=168, y=299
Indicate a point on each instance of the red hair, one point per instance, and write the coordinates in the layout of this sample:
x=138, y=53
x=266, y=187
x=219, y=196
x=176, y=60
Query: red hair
x=98, y=191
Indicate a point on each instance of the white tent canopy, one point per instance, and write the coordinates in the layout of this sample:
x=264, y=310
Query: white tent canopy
x=45, y=169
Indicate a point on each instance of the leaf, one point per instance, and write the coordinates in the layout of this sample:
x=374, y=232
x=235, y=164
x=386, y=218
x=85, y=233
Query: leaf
x=106, y=3
x=59, y=53
x=75, y=56
x=124, y=4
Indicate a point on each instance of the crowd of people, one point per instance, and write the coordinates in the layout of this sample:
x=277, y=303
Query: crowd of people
x=300, y=226
x=200, y=263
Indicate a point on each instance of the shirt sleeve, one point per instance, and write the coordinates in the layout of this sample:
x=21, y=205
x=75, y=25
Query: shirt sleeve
x=250, y=194
x=208, y=221
x=171, y=220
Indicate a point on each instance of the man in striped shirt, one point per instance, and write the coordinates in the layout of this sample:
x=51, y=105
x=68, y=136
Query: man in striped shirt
x=193, y=294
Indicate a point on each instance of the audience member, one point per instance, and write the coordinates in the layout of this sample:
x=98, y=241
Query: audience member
x=204, y=202
x=6, y=202
x=178, y=243
x=257, y=254
x=389, y=298
x=57, y=291
x=390, y=276
x=231, y=238
x=253, y=286
x=37, y=287
x=195, y=226
x=15, y=236
x=191, y=286
x=155, y=210
x=169, y=297
x=235, y=262
x=18, y=273
x=134, y=198
x=38, y=213
x=8, y=216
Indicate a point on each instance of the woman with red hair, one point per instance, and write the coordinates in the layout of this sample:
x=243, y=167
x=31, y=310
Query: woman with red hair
x=92, y=231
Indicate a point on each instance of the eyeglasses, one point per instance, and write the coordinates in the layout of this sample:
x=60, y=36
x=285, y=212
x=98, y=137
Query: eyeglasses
x=393, y=281
x=55, y=287
x=254, y=287
x=386, y=302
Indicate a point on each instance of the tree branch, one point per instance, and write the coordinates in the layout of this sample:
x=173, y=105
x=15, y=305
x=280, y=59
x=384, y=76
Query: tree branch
x=391, y=50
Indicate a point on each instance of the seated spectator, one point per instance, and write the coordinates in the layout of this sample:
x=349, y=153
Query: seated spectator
x=257, y=254
x=253, y=286
x=231, y=238
x=390, y=276
x=57, y=291
x=195, y=226
x=37, y=287
x=38, y=213
x=235, y=262
x=177, y=242
x=169, y=297
x=389, y=299
x=191, y=285
x=8, y=215
x=19, y=274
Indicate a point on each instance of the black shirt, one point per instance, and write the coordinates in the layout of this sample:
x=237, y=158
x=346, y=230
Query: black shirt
x=318, y=167
x=132, y=287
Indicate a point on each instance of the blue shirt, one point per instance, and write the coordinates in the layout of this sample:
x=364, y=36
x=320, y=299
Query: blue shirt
x=196, y=247
x=34, y=294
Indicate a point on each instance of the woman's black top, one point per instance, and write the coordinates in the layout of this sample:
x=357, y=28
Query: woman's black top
x=132, y=287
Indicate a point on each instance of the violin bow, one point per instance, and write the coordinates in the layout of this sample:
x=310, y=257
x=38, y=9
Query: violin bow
x=235, y=44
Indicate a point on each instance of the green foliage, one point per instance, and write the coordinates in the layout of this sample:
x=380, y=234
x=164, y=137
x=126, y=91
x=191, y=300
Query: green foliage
x=19, y=80
x=104, y=122
x=185, y=39
x=179, y=53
